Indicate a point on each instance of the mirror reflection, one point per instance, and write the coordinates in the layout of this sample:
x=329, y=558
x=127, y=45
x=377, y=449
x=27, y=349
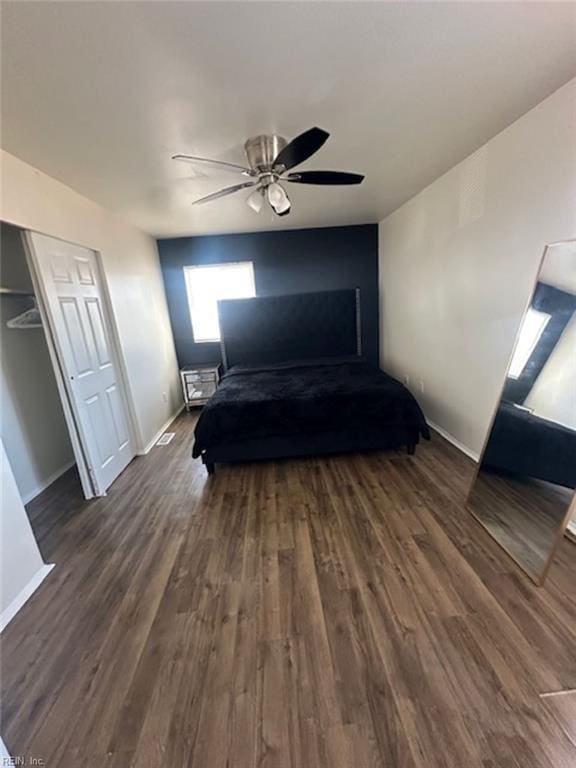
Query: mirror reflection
x=524, y=488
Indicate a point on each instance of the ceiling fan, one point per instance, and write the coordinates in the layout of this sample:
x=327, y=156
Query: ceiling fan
x=270, y=157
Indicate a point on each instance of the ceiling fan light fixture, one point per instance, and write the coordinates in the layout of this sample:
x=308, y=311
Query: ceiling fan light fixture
x=278, y=198
x=255, y=200
x=284, y=207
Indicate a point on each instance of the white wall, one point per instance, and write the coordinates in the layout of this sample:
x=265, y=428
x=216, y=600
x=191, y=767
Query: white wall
x=458, y=263
x=21, y=565
x=32, y=423
x=553, y=395
x=35, y=201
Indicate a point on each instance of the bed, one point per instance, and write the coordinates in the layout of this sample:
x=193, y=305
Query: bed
x=524, y=443
x=296, y=384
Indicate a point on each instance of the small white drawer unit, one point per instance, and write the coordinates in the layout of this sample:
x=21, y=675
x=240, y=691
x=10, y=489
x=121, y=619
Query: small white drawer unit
x=199, y=383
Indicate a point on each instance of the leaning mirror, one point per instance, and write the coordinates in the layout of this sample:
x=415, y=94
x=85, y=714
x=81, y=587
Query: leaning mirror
x=523, y=493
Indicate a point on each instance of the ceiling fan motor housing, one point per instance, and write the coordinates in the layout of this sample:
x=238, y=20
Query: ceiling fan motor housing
x=261, y=151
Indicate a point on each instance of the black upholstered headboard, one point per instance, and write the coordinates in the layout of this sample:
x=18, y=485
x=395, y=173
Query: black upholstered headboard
x=273, y=329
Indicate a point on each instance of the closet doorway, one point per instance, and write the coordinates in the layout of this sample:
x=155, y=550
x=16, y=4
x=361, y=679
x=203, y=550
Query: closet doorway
x=64, y=400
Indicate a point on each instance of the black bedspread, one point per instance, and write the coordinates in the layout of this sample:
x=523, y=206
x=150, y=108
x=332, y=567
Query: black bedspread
x=305, y=398
x=524, y=443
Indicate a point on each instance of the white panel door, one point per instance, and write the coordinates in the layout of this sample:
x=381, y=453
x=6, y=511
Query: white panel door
x=70, y=282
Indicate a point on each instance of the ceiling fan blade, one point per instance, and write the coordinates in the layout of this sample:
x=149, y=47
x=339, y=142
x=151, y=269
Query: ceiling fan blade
x=224, y=192
x=219, y=163
x=324, y=177
x=301, y=148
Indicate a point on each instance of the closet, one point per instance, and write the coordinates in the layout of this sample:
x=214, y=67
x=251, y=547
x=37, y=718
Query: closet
x=33, y=427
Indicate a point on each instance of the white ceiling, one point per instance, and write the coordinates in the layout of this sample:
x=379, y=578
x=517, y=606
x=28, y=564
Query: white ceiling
x=100, y=94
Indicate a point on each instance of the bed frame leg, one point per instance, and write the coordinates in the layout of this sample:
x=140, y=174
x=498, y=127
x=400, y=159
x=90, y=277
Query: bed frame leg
x=411, y=449
x=210, y=467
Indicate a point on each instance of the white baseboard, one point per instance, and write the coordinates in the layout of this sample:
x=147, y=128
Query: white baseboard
x=8, y=613
x=47, y=482
x=571, y=530
x=160, y=432
x=456, y=443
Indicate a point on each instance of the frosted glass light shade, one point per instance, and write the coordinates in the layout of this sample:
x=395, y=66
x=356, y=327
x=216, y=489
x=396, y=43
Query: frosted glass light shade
x=255, y=200
x=278, y=198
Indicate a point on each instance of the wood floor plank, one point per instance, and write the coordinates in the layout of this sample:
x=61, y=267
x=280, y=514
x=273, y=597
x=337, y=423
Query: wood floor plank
x=213, y=736
x=273, y=746
x=344, y=612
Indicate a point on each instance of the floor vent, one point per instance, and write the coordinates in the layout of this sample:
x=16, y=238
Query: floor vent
x=165, y=438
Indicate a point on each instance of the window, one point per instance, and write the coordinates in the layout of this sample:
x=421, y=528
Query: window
x=206, y=285
x=529, y=336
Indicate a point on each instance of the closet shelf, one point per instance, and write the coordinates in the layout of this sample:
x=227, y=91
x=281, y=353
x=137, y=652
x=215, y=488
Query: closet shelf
x=15, y=292
x=30, y=318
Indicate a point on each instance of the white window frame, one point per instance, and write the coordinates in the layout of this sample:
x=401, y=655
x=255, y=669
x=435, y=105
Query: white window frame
x=189, y=272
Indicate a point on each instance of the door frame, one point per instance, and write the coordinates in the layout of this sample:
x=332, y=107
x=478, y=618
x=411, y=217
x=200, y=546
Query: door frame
x=88, y=479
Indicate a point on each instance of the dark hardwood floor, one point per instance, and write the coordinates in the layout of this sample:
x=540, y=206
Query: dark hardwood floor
x=319, y=613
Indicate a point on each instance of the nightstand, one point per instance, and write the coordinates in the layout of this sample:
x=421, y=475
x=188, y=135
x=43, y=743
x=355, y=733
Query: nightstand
x=199, y=383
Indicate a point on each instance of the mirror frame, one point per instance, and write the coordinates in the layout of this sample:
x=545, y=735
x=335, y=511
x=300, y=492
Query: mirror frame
x=571, y=509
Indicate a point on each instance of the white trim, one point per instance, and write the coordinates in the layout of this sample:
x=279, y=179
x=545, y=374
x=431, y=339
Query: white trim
x=47, y=482
x=160, y=432
x=571, y=529
x=564, y=692
x=8, y=613
x=456, y=443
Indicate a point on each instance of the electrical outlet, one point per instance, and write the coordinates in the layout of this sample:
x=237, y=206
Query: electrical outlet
x=420, y=386
x=406, y=380
x=164, y=397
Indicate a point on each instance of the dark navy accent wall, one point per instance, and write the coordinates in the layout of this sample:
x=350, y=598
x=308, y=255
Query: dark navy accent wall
x=287, y=261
